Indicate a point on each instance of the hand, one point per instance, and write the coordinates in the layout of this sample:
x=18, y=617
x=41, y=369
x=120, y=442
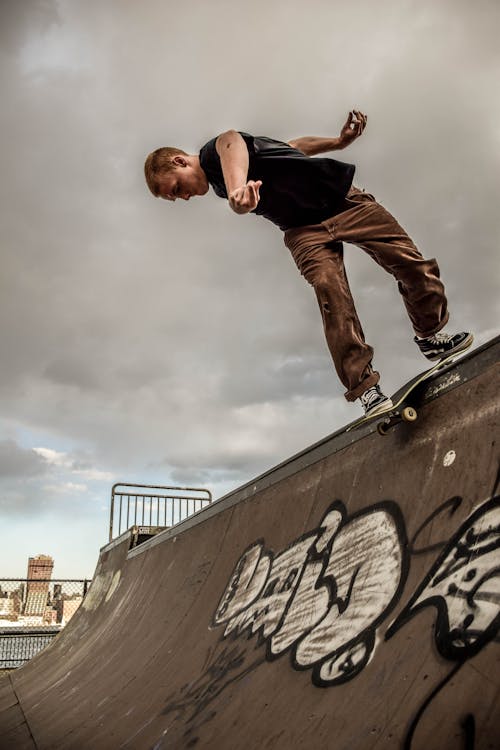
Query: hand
x=245, y=198
x=353, y=127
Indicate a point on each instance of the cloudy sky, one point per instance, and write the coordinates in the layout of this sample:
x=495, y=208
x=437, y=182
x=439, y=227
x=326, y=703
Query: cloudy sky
x=143, y=341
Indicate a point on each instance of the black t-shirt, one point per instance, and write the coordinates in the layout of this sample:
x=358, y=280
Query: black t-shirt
x=296, y=189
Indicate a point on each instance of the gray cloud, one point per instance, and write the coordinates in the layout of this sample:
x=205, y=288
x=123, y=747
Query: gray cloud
x=19, y=462
x=164, y=342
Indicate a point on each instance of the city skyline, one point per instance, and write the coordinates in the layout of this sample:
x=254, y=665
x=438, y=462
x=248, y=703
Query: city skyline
x=39, y=599
x=34, y=609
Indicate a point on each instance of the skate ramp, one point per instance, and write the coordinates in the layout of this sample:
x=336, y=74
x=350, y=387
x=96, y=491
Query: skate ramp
x=348, y=598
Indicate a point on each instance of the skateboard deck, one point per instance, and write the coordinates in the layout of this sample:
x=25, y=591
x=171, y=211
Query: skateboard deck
x=400, y=411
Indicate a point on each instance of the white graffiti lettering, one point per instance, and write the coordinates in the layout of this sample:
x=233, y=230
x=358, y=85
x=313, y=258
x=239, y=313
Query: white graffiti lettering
x=245, y=585
x=364, y=569
x=464, y=586
x=323, y=596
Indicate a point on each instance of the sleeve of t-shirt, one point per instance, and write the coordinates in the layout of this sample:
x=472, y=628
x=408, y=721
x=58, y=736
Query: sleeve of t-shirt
x=250, y=141
x=210, y=158
x=210, y=162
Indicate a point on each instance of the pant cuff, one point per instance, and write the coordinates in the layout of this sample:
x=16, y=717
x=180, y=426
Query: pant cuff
x=425, y=334
x=371, y=380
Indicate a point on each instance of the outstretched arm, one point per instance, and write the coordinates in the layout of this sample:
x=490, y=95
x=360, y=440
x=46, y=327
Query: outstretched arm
x=243, y=194
x=311, y=145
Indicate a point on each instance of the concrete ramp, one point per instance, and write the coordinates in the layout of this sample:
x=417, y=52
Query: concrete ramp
x=348, y=599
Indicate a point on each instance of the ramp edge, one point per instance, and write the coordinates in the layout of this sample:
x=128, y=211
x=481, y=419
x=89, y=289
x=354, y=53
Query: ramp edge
x=463, y=370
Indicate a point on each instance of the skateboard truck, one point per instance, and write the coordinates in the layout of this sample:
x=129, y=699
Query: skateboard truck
x=408, y=414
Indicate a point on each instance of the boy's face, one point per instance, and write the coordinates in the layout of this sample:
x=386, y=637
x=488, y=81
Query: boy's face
x=185, y=181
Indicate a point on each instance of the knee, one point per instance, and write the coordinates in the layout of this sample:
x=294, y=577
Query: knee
x=327, y=288
x=416, y=273
x=325, y=279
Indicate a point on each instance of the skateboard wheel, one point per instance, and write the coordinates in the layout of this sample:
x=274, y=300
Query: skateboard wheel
x=409, y=414
x=382, y=428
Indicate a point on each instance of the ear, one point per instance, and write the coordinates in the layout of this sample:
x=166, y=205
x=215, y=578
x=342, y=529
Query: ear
x=179, y=161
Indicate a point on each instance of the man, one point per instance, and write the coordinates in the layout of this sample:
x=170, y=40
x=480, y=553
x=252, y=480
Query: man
x=315, y=204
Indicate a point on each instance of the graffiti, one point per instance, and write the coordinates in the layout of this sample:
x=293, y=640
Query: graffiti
x=464, y=586
x=225, y=665
x=323, y=597
x=469, y=729
x=466, y=724
x=451, y=505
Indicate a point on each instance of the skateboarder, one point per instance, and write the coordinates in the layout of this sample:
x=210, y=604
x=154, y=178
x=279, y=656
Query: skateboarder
x=315, y=204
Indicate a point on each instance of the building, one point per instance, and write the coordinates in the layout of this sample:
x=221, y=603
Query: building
x=69, y=608
x=8, y=608
x=37, y=593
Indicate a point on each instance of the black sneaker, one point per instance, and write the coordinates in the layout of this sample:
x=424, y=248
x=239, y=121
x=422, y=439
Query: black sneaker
x=442, y=344
x=374, y=401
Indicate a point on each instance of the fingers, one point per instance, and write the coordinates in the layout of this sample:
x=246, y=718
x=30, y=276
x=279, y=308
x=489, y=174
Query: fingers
x=347, y=126
x=357, y=121
x=254, y=191
x=245, y=198
x=353, y=127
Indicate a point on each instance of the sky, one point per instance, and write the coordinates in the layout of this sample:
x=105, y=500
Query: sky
x=159, y=343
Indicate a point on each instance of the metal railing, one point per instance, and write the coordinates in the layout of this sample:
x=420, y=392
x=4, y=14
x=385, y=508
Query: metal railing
x=32, y=612
x=165, y=507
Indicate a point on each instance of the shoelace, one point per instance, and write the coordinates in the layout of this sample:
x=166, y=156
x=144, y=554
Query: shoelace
x=440, y=338
x=368, y=396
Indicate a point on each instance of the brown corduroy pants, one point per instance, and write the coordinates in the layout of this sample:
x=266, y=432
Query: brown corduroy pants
x=318, y=252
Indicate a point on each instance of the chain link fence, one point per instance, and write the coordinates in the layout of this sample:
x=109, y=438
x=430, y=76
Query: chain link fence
x=32, y=612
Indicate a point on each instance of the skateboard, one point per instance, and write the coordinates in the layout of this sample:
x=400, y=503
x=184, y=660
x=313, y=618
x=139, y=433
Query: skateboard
x=400, y=411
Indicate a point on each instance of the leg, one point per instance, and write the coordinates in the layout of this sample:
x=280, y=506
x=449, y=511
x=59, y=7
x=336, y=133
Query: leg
x=321, y=262
x=367, y=224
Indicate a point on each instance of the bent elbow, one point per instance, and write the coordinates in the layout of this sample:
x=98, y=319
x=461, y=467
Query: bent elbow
x=298, y=145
